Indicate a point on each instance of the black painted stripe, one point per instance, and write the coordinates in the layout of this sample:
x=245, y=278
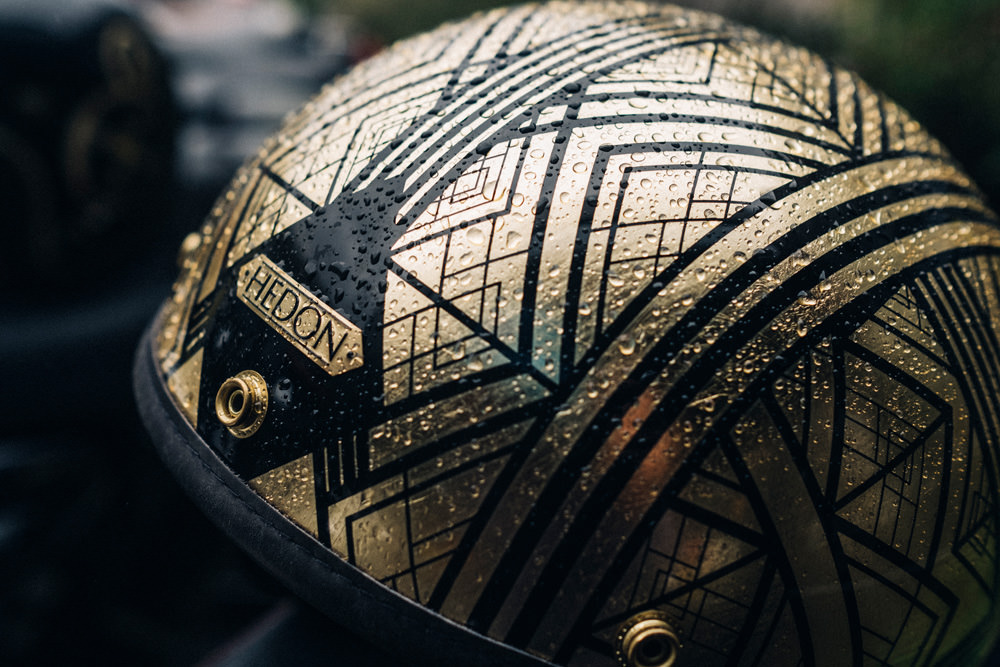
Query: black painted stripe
x=832, y=325
x=558, y=567
x=563, y=480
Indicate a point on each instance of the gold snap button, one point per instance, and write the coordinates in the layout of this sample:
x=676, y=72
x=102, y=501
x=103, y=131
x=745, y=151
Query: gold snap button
x=241, y=403
x=648, y=640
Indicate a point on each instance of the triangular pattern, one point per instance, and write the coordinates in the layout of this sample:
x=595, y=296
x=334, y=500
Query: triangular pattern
x=893, y=452
x=288, y=488
x=683, y=572
x=695, y=566
x=791, y=390
x=896, y=628
x=893, y=509
x=715, y=489
x=413, y=566
x=275, y=209
x=660, y=213
x=976, y=535
x=752, y=68
x=460, y=278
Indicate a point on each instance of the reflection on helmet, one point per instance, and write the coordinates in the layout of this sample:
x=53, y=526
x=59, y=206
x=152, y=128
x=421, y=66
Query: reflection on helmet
x=597, y=334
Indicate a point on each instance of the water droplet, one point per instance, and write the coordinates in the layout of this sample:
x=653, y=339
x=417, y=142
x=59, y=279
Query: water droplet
x=626, y=345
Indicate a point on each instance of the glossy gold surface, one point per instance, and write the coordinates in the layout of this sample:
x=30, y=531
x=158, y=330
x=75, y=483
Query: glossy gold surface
x=672, y=316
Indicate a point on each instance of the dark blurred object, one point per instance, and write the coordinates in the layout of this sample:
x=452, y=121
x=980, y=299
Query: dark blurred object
x=292, y=633
x=239, y=67
x=102, y=559
x=86, y=145
x=940, y=60
x=92, y=570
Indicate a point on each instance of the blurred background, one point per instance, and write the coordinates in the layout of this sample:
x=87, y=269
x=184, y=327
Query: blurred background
x=119, y=124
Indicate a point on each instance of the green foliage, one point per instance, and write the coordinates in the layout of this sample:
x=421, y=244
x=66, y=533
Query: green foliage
x=940, y=59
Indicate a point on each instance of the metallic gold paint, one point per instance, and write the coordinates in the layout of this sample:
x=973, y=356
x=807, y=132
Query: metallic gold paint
x=726, y=322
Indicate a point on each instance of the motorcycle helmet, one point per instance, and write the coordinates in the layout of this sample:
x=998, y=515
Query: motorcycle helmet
x=600, y=334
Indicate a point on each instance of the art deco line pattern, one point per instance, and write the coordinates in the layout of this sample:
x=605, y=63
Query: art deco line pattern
x=657, y=313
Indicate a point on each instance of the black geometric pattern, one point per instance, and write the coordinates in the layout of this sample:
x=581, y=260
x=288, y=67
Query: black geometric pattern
x=888, y=542
x=658, y=313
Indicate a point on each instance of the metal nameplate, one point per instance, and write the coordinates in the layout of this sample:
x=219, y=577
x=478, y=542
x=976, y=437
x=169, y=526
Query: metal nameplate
x=318, y=331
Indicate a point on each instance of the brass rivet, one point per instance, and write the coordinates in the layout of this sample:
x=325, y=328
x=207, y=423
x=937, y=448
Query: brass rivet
x=241, y=403
x=648, y=640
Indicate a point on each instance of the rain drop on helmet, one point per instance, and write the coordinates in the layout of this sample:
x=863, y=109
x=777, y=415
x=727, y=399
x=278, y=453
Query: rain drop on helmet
x=595, y=335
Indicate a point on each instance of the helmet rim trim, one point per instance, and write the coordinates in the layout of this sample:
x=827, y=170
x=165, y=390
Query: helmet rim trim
x=350, y=597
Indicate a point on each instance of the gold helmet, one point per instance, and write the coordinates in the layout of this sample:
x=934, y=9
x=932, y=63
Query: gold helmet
x=598, y=334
